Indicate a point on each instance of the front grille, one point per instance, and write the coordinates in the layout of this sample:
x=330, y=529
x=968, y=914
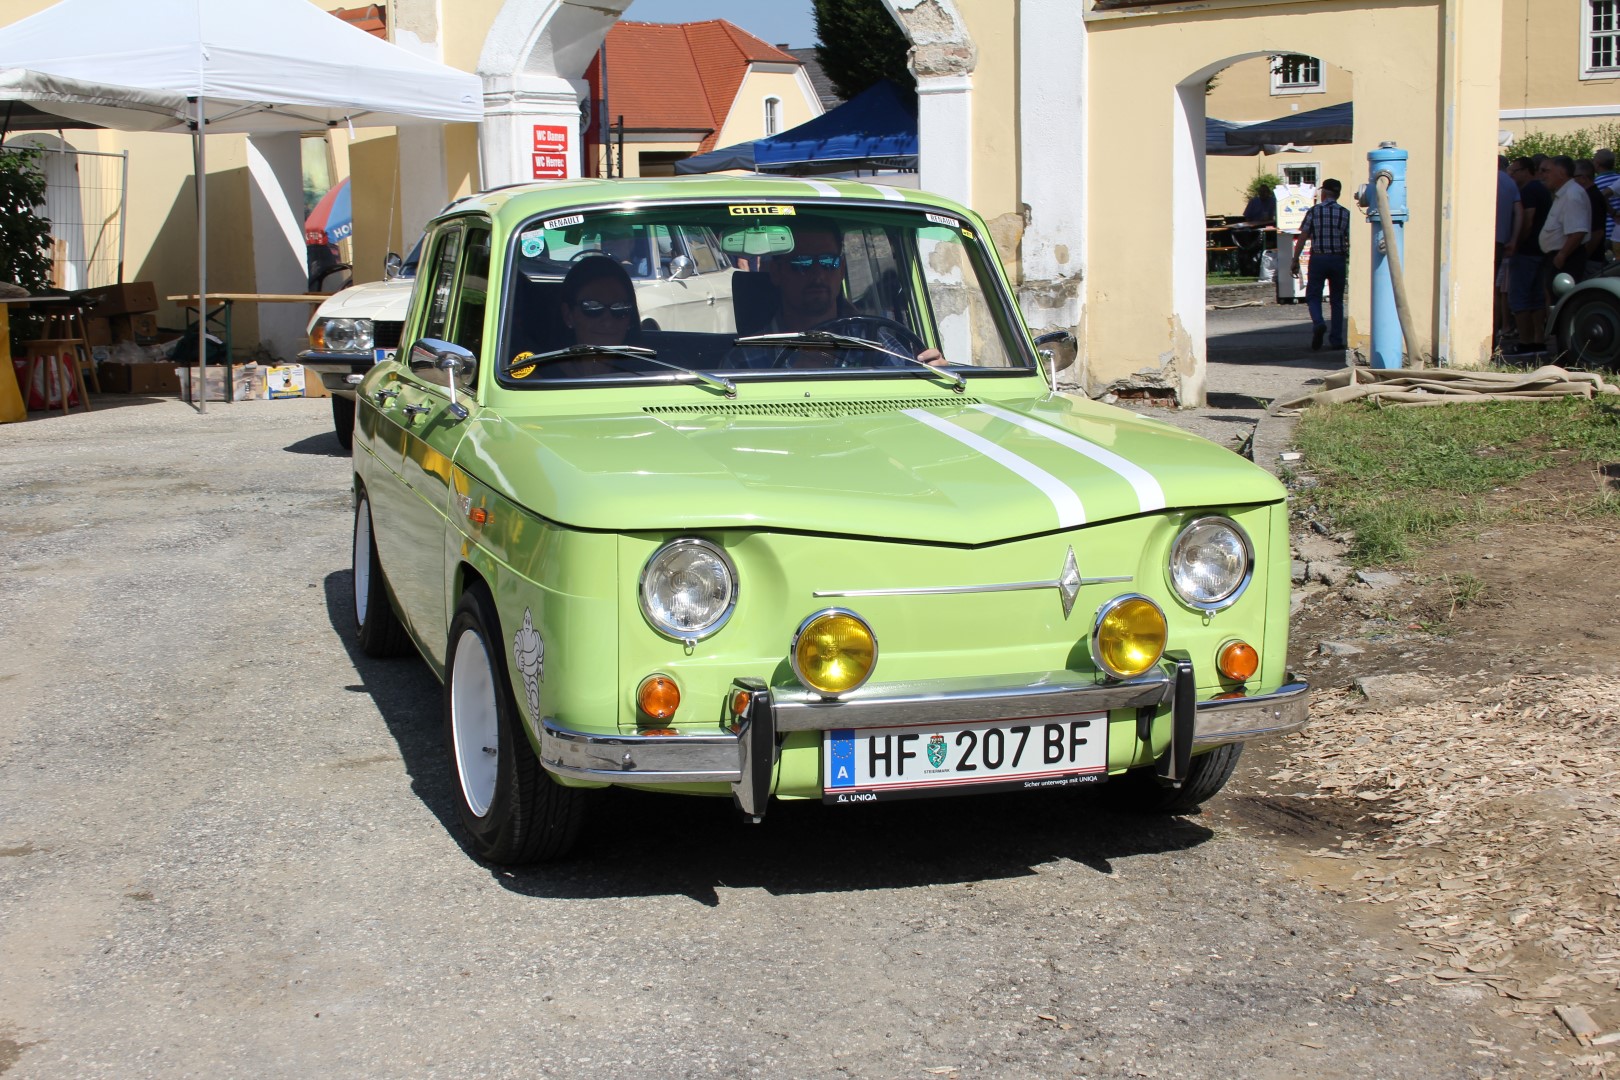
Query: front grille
x=816, y=410
x=386, y=334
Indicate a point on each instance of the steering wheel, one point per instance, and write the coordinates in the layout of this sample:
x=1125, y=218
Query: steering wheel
x=892, y=335
x=585, y=253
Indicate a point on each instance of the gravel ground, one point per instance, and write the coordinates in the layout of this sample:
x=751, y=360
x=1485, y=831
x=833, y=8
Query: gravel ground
x=227, y=848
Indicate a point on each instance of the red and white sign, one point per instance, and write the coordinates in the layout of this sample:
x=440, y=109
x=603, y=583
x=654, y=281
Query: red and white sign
x=550, y=152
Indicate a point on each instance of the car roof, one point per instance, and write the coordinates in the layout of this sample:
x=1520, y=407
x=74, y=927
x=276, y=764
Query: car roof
x=518, y=202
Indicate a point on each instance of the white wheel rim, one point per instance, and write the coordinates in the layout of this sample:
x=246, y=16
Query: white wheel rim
x=362, y=560
x=475, y=723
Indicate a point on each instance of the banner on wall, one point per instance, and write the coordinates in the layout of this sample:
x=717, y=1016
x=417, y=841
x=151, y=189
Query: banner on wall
x=550, y=152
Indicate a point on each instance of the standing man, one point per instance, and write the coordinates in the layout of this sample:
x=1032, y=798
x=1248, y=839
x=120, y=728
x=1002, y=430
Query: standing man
x=1597, y=236
x=1563, y=237
x=1608, y=182
x=1509, y=222
x=1524, y=258
x=1327, y=229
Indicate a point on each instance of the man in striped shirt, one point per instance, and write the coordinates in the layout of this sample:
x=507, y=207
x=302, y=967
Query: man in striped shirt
x=1608, y=182
x=1327, y=229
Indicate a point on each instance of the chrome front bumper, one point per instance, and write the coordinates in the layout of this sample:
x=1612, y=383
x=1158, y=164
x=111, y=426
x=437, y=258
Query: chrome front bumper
x=743, y=751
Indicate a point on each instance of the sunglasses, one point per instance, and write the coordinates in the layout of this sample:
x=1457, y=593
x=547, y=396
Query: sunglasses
x=595, y=309
x=804, y=263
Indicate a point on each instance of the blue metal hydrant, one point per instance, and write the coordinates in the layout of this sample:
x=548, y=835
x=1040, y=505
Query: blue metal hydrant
x=1386, y=325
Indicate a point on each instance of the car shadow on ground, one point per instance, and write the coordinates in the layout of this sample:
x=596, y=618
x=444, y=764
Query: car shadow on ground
x=323, y=445
x=638, y=844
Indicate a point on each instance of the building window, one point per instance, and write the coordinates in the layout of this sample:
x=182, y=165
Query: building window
x=1300, y=174
x=1296, y=74
x=1600, y=40
x=773, y=116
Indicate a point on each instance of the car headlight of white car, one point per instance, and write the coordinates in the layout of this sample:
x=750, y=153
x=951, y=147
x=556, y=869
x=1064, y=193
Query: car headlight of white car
x=688, y=589
x=341, y=336
x=1211, y=563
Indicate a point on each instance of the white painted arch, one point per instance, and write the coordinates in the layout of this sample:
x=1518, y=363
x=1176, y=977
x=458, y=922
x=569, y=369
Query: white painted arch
x=536, y=51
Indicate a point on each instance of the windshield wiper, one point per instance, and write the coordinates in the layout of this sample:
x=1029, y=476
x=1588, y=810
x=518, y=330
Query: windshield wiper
x=820, y=339
x=576, y=352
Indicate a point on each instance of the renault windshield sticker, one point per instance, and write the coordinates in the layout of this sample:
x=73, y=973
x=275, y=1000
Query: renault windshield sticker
x=757, y=210
x=563, y=222
x=940, y=219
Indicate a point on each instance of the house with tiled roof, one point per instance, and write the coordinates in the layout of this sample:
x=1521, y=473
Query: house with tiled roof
x=685, y=88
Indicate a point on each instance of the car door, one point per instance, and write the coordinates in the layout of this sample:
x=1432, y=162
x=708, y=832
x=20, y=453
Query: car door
x=430, y=424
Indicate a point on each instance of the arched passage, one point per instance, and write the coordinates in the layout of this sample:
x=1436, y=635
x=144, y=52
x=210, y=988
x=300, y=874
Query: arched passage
x=536, y=51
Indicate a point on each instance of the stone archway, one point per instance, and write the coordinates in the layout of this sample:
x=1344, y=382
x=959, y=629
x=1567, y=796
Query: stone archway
x=536, y=51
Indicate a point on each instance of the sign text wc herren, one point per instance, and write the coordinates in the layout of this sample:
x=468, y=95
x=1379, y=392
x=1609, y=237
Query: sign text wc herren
x=550, y=152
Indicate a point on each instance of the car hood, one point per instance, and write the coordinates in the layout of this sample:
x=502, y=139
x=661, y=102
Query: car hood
x=385, y=300
x=937, y=470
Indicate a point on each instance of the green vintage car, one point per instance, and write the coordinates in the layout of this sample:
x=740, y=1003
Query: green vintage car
x=816, y=528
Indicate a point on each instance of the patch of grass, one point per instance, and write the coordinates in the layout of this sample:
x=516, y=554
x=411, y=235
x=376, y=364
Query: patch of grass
x=1229, y=279
x=1398, y=479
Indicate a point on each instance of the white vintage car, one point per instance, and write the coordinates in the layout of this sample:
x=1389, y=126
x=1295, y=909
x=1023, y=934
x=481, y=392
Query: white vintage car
x=354, y=329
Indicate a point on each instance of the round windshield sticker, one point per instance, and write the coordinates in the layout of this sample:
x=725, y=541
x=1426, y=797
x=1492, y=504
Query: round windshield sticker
x=517, y=372
x=533, y=245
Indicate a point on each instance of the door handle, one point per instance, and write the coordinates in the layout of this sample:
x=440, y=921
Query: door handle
x=383, y=395
x=413, y=411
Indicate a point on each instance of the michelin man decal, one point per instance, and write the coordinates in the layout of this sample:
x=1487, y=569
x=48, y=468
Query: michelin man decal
x=529, y=650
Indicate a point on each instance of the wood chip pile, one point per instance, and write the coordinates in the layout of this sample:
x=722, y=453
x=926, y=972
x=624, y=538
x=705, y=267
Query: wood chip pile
x=1494, y=830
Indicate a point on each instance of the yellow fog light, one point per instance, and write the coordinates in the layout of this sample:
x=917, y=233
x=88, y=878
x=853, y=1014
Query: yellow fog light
x=833, y=652
x=1129, y=636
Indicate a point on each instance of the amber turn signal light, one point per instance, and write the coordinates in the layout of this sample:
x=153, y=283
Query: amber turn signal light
x=658, y=697
x=1238, y=661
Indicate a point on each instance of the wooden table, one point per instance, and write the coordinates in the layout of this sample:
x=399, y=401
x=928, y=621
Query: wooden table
x=222, y=316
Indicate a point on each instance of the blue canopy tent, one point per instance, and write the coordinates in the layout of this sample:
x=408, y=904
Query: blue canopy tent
x=1215, y=139
x=738, y=156
x=1332, y=124
x=875, y=129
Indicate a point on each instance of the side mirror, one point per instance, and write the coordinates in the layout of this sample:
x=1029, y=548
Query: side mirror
x=681, y=267
x=431, y=354
x=391, y=266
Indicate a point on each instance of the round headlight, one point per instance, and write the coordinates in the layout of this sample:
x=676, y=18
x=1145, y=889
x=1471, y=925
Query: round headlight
x=1129, y=636
x=688, y=589
x=833, y=651
x=348, y=335
x=1211, y=563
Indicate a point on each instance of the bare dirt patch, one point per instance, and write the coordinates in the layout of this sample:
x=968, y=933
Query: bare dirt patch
x=1477, y=826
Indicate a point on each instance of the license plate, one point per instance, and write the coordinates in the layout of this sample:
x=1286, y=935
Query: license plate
x=872, y=764
x=379, y=355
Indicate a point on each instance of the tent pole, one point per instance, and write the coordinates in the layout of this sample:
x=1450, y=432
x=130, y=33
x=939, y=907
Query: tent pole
x=200, y=385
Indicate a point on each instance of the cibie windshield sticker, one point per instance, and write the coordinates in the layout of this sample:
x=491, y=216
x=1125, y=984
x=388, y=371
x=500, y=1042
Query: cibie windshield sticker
x=520, y=372
x=533, y=244
x=563, y=222
x=529, y=650
x=762, y=211
x=939, y=219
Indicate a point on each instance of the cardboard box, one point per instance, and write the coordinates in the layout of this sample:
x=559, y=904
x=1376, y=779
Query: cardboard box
x=140, y=379
x=130, y=298
x=285, y=381
x=140, y=328
x=247, y=382
x=98, y=331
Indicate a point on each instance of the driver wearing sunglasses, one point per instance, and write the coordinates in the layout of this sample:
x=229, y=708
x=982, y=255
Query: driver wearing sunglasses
x=598, y=308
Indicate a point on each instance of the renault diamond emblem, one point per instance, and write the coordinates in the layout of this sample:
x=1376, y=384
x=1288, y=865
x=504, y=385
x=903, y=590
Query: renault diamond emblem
x=1068, y=583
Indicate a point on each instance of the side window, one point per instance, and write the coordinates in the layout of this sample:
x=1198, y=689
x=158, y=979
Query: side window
x=469, y=323
x=873, y=275
x=967, y=328
x=441, y=282
x=704, y=257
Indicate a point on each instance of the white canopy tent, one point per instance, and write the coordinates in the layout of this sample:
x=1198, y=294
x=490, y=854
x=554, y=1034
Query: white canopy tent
x=202, y=66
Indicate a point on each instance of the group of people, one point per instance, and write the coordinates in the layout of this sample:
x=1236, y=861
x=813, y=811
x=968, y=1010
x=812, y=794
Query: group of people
x=1554, y=215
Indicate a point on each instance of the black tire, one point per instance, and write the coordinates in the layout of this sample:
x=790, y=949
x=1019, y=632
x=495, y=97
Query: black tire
x=1140, y=791
x=380, y=632
x=1589, y=330
x=512, y=809
x=343, y=421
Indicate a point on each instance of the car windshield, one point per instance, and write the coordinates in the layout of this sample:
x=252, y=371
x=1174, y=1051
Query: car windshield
x=810, y=289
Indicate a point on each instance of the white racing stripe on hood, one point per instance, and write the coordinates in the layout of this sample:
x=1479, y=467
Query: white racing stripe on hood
x=1148, y=492
x=1070, y=512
